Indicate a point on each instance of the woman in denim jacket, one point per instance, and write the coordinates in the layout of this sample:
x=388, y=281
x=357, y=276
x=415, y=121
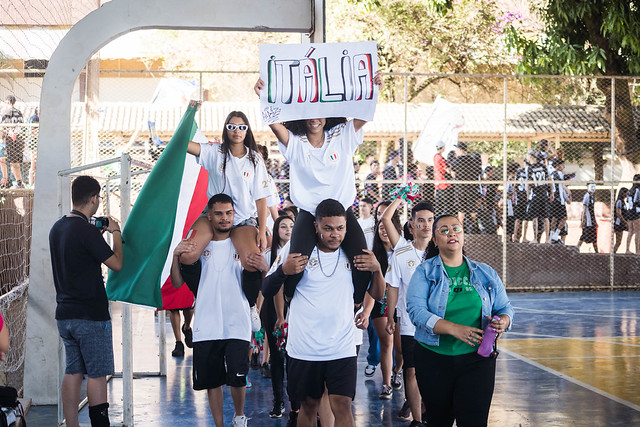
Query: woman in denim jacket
x=451, y=300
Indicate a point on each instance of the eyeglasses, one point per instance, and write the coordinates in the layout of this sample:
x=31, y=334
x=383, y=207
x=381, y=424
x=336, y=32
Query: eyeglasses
x=232, y=127
x=447, y=230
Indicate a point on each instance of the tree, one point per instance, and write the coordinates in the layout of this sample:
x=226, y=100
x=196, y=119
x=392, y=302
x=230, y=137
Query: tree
x=600, y=37
x=415, y=36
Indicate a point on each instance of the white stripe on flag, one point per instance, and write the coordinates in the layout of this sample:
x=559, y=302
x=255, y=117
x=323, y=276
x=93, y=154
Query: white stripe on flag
x=187, y=187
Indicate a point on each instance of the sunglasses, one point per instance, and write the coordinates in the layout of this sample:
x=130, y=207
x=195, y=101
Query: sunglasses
x=447, y=230
x=231, y=127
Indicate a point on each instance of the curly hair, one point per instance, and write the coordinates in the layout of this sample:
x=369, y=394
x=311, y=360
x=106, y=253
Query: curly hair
x=299, y=128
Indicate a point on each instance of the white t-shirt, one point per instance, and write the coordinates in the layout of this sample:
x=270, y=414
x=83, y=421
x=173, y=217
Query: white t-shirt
x=242, y=180
x=587, y=200
x=402, y=264
x=325, y=172
x=221, y=310
x=273, y=199
x=357, y=332
x=321, y=311
x=368, y=228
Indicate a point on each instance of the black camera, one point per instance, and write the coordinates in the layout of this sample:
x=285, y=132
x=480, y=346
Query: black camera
x=102, y=222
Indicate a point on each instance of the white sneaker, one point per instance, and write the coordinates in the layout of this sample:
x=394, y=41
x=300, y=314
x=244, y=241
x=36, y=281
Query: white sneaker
x=369, y=370
x=239, y=421
x=256, y=325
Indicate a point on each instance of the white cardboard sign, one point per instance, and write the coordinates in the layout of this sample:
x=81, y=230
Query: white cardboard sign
x=318, y=80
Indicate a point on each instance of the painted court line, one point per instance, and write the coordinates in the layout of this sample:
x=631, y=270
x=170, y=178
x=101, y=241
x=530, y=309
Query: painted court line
x=605, y=340
x=571, y=313
x=572, y=380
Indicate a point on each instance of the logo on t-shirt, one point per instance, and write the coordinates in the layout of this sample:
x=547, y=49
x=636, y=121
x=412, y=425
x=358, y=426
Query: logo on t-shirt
x=312, y=264
x=333, y=157
x=206, y=254
x=411, y=263
x=347, y=265
x=236, y=257
x=246, y=173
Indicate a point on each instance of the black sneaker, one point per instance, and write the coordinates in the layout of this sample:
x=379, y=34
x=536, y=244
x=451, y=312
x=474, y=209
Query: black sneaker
x=188, y=336
x=386, y=393
x=415, y=423
x=396, y=379
x=293, y=419
x=178, y=351
x=265, y=371
x=405, y=412
x=278, y=410
x=255, y=362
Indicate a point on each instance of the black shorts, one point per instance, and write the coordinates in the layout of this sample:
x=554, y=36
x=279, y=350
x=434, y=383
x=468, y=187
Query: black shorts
x=558, y=210
x=538, y=207
x=308, y=378
x=15, y=149
x=589, y=234
x=619, y=227
x=378, y=311
x=408, y=344
x=178, y=310
x=220, y=362
x=511, y=221
x=467, y=197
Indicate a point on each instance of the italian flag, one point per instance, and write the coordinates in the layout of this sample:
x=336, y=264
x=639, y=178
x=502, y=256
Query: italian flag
x=172, y=198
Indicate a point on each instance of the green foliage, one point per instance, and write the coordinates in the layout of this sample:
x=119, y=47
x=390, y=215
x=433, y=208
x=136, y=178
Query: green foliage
x=581, y=37
x=433, y=36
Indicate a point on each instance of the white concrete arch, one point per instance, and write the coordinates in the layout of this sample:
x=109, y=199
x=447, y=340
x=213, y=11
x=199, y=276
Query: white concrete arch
x=112, y=20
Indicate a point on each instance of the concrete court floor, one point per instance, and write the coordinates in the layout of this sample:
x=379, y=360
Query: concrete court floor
x=572, y=359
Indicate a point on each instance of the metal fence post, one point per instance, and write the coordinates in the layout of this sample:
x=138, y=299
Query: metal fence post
x=127, y=350
x=504, y=187
x=612, y=191
x=61, y=353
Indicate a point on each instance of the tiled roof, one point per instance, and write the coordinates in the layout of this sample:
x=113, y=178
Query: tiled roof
x=482, y=121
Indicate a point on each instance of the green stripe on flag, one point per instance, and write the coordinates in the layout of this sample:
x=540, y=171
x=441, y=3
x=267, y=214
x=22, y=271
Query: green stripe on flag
x=149, y=228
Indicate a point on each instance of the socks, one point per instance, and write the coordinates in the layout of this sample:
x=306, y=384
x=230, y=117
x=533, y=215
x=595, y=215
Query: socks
x=99, y=415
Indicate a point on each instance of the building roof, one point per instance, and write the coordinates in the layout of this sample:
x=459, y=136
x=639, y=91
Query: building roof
x=482, y=121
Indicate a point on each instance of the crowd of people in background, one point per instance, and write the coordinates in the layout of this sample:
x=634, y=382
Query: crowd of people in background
x=17, y=146
x=290, y=270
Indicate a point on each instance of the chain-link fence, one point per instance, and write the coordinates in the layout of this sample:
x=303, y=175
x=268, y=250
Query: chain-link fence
x=519, y=171
x=528, y=147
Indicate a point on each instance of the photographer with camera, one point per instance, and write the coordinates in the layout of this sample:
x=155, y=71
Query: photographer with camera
x=82, y=313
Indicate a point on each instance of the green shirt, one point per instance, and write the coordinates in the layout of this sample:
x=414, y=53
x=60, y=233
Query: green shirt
x=464, y=307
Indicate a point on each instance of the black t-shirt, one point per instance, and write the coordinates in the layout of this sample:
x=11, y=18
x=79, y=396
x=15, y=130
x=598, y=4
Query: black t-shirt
x=467, y=167
x=77, y=252
x=538, y=173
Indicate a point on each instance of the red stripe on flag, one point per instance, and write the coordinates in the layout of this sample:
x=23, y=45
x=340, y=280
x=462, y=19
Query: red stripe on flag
x=176, y=298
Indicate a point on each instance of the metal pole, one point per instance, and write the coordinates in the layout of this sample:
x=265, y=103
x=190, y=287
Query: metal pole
x=612, y=191
x=162, y=342
x=504, y=188
x=61, y=355
x=404, y=155
x=127, y=348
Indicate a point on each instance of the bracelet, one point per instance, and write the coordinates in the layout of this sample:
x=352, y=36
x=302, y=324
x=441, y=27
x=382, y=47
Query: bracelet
x=117, y=231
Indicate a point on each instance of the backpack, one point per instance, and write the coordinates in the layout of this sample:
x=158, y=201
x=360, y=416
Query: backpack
x=10, y=407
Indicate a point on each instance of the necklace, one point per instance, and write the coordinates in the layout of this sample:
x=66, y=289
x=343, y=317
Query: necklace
x=415, y=251
x=334, y=267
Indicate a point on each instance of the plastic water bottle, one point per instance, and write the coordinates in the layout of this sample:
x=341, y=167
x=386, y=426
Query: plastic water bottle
x=488, y=338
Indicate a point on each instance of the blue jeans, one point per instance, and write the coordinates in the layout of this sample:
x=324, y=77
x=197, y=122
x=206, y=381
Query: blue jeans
x=373, y=356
